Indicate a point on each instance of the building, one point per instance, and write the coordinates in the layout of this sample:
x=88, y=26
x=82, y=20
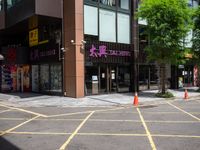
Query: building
x=91, y=56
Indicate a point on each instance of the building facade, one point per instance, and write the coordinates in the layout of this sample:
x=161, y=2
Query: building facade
x=73, y=47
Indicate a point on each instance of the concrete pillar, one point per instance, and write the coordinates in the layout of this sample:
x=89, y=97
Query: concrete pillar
x=74, y=55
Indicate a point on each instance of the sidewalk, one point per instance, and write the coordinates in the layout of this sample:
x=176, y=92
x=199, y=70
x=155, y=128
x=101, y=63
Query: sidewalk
x=106, y=100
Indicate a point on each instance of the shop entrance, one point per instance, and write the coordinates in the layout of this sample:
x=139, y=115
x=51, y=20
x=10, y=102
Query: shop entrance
x=107, y=78
x=108, y=81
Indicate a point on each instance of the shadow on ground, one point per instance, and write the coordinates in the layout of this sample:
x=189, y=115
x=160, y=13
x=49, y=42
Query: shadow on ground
x=6, y=145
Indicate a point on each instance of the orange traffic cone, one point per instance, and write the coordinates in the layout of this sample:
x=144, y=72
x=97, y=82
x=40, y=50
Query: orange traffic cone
x=135, y=102
x=186, y=94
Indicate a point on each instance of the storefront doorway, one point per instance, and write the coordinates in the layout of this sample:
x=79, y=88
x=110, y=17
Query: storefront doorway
x=107, y=78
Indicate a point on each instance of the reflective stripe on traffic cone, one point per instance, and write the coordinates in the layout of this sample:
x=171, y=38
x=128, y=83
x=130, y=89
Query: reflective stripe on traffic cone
x=135, y=102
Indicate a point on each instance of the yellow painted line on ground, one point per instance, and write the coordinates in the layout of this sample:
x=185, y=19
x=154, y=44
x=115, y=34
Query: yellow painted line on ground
x=23, y=110
x=70, y=114
x=153, y=146
x=110, y=134
x=86, y=112
x=64, y=146
x=41, y=133
x=21, y=124
x=13, y=119
x=103, y=134
x=176, y=136
x=183, y=111
x=112, y=120
x=5, y=111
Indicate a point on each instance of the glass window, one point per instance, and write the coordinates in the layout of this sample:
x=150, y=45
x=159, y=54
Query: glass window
x=108, y=2
x=35, y=78
x=44, y=77
x=1, y=5
x=91, y=80
x=124, y=4
x=124, y=79
x=56, y=78
x=11, y=3
x=123, y=29
x=107, y=26
x=90, y=20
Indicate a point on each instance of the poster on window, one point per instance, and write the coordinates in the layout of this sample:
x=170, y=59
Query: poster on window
x=6, y=81
x=13, y=70
x=26, y=78
x=35, y=78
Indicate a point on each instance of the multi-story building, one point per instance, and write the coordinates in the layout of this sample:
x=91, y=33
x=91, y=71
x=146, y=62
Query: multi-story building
x=92, y=50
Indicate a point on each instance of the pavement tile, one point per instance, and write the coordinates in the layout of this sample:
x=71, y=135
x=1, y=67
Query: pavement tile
x=7, y=124
x=116, y=116
x=171, y=143
x=168, y=117
x=16, y=114
x=61, y=126
x=113, y=127
x=109, y=143
x=174, y=128
x=32, y=142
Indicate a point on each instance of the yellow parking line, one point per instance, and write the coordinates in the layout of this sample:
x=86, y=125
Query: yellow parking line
x=85, y=112
x=21, y=124
x=75, y=132
x=69, y=114
x=41, y=133
x=5, y=111
x=23, y=110
x=110, y=134
x=183, y=111
x=176, y=136
x=12, y=119
x=153, y=146
x=104, y=134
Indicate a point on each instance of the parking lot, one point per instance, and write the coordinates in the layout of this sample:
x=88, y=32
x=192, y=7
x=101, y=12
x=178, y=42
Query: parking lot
x=171, y=125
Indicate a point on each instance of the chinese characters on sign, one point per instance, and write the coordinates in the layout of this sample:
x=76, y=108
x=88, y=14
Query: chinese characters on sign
x=104, y=52
x=36, y=54
x=33, y=37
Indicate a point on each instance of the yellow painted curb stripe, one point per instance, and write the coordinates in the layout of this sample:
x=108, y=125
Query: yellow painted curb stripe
x=41, y=133
x=183, y=111
x=9, y=130
x=176, y=136
x=5, y=111
x=153, y=146
x=104, y=134
x=23, y=110
x=75, y=132
x=69, y=114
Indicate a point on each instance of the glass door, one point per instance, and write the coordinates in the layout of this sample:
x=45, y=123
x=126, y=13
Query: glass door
x=113, y=79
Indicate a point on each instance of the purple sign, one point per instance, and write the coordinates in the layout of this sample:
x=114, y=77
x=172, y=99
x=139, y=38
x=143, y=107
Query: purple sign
x=36, y=54
x=104, y=52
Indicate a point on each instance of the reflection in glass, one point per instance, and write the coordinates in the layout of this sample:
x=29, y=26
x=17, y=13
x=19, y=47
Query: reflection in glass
x=56, y=78
x=44, y=77
x=108, y=2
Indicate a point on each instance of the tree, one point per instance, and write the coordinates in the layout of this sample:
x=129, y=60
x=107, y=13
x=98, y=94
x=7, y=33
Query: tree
x=168, y=22
x=196, y=40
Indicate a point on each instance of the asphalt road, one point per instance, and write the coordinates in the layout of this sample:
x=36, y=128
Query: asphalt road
x=168, y=126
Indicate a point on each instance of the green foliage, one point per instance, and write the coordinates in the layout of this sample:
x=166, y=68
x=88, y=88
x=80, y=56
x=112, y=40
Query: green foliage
x=196, y=36
x=166, y=95
x=168, y=23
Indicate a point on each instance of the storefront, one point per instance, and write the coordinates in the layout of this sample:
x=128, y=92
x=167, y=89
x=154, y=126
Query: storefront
x=107, y=68
x=46, y=69
x=14, y=70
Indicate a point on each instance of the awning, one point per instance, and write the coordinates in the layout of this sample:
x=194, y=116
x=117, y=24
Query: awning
x=1, y=57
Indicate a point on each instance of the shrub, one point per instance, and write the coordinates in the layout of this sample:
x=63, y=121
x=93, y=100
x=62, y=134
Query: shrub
x=166, y=95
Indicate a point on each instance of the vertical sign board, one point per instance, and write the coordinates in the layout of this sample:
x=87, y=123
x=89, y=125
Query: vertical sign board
x=33, y=37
